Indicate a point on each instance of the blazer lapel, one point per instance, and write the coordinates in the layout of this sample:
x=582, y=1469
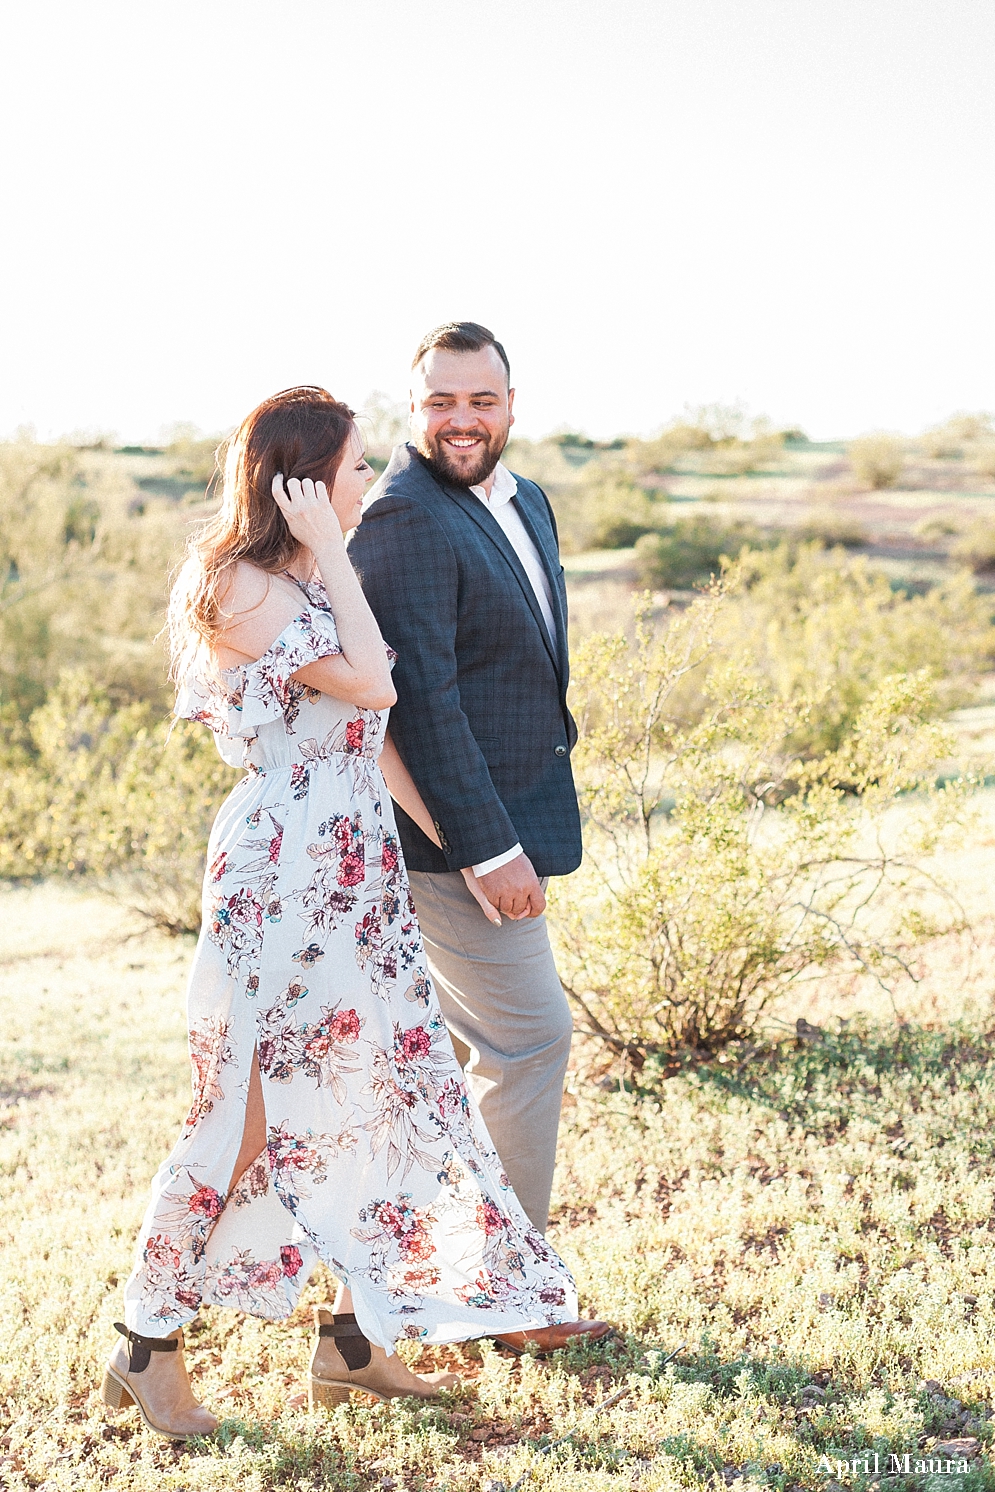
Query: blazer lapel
x=552, y=573
x=488, y=524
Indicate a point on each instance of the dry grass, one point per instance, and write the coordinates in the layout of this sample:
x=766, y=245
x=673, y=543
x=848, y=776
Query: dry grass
x=601, y=588
x=815, y=1213
x=806, y=1214
x=955, y=973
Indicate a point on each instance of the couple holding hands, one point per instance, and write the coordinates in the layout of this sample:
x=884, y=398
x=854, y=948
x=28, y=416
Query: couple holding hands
x=378, y=1036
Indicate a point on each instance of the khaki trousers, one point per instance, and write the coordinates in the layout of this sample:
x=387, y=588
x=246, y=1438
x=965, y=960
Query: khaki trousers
x=510, y=1023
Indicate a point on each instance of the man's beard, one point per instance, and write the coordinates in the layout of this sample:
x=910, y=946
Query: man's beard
x=464, y=474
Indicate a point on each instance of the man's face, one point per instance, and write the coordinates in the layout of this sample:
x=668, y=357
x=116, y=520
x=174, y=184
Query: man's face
x=461, y=413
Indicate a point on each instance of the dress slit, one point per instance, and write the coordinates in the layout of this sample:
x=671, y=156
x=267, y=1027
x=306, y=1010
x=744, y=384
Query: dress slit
x=242, y=1165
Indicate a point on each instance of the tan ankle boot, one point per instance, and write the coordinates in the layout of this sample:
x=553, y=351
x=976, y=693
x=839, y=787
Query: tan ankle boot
x=151, y=1374
x=344, y=1361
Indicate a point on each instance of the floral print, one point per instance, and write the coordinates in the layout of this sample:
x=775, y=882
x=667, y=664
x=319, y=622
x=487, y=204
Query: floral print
x=376, y=1159
x=210, y=1049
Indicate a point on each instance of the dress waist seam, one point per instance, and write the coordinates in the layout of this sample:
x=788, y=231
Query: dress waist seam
x=330, y=759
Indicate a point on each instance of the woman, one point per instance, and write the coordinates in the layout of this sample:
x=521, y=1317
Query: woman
x=330, y=1119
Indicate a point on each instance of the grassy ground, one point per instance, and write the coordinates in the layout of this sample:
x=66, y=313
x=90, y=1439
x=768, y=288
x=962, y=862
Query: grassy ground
x=814, y=1221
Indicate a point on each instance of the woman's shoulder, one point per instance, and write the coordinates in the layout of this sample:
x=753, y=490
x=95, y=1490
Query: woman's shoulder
x=245, y=588
x=256, y=607
x=235, y=691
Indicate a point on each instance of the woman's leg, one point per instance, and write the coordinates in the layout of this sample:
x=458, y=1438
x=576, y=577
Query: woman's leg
x=254, y=1130
x=252, y=1147
x=161, y=1383
x=387, y=1375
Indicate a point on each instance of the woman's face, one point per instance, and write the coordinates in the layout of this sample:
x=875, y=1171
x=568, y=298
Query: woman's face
x=351, y=481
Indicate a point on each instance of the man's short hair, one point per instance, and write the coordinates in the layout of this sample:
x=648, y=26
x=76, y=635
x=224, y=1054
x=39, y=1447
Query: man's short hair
x=461, y=336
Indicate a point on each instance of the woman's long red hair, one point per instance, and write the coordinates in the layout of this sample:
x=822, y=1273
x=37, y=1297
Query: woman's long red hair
x=301, y=432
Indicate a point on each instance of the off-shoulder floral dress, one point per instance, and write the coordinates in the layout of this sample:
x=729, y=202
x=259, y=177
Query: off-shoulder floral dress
x=377, y=1160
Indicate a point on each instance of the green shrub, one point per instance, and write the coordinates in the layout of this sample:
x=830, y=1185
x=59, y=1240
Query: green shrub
x=983, y=458
x=877, y=460
x=83, y=576
x=827, y=627
x=723, y=441
x=935, y=529
x=649, y=457
x=833, y=529
x=951, y=439
x=976, y=547
x=719, y=868
x=115, y=795
x=616, y=512
x=607, y=495
x=597, y=501
x=192, y=457
x=690, y=552
x=735, y=458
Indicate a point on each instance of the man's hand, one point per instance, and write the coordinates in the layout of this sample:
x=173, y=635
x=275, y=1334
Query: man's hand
x=514, y=889
x=477, y=892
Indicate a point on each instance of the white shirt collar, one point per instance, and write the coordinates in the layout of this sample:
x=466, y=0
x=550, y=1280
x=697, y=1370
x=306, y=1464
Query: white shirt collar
x=502, y=491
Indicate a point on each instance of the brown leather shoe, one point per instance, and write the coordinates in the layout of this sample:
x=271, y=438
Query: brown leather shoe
x=551, y=1338
x=344, y=1361
x=150, y=1373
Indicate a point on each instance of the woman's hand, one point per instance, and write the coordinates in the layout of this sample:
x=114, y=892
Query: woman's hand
x=309, y=513
x=477, y=892
x=401, y=786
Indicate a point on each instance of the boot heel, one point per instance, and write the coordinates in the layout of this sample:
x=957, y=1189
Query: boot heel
x=114, y=1394
x=325, y=1395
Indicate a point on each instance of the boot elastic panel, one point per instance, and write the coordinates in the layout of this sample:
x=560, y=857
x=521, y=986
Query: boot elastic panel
x=140, y=1349
x=349, y=1339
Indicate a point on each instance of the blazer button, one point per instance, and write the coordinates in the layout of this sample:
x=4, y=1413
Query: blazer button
x=443, y=841
x=559, y=751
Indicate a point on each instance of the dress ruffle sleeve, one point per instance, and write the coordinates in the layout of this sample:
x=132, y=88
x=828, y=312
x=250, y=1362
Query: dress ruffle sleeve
x=239, y=700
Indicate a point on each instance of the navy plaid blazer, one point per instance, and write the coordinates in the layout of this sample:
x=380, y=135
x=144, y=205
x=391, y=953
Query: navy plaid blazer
x=481, y=719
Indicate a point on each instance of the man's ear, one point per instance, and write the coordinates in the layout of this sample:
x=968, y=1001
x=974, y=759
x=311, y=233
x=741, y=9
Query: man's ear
x=511, y=406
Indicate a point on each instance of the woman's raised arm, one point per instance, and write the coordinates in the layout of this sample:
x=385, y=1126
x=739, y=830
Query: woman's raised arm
x=260, y=609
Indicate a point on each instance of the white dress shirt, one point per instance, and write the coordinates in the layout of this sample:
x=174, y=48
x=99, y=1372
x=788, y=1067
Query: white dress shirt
x=507, y=515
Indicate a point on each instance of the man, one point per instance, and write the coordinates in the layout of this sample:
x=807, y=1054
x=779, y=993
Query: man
x=460, y=564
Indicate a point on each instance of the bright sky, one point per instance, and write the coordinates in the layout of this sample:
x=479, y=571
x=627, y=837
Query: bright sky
x=788, y=203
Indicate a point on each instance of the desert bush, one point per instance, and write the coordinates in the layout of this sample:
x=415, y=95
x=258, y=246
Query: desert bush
x=936, y=528
x=976, y=547
x=192, y=456
x=719, y=867
x=116, y=795
x=598, y=504
x=42, y=520
x=759, y=447
x=597, y=498
x=983, y=459
x=608, y=494
x=833, y=529
x=83, y=575
x=610, y=510
x=828, y=628
x=720, y=436
x=877, y=460
x=649, y=457
x=953, y=436
x=689, y=552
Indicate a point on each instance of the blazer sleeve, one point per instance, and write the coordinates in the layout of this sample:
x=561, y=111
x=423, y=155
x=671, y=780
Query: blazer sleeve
x=409, y=575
